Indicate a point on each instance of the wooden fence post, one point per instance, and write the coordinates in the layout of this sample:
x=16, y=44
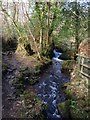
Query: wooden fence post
x=82, y=65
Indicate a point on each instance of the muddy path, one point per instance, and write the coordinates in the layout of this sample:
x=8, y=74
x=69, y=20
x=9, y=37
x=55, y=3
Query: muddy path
x=9, y=98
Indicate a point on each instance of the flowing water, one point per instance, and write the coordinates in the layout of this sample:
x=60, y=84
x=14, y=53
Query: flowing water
x=48, y=88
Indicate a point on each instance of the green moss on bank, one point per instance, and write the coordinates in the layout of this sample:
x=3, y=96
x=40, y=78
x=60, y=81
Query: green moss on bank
x=32, y=106
x=78, y=99
x=68, y=66
x=29, y=76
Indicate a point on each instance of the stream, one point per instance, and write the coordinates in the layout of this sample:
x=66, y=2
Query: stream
x=48, y=89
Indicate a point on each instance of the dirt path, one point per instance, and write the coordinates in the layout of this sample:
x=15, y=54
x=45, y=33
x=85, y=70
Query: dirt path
x=14, y=63
x=10, y=101
x=8, y=97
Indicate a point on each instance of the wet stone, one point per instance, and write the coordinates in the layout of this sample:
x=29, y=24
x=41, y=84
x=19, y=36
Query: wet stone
x=9, y=77
x=10, y=70
x=12, y=77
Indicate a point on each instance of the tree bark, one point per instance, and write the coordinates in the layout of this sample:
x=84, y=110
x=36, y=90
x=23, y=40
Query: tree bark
x=77, y=24
x=88, y=19
x=41, y=39
x=34, y=40
x=48, y=23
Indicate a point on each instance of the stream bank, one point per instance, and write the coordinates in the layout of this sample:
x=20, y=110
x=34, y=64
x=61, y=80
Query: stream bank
x=77, y=104
x=46, y=91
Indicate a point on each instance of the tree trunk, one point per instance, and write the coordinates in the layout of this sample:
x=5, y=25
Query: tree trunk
x=14, y=11
x=21, y=50
x=48, y=23
x=51, y=25
x=41, y=39
x=88, y=19
x=77, y=24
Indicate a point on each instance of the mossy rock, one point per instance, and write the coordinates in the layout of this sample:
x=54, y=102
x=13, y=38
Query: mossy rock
x=67, y=55
x=63, y=108
x=70, y=94
x=67, y=66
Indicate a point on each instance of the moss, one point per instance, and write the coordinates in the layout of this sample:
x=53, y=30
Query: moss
x=67, y=66
x=48, y=52
x=67, y=55
x=22, y=80
x=87, y=83
x=41, y=115
x=74, y=109
x=64, y=108
x=30, y=76
x=33, y=81
x=40, y=68
x=32, y=106
x=87, y=100
x=77, y=93
x=77, y=113
x=69, y=94
x=32, y=96
x=79, y=101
